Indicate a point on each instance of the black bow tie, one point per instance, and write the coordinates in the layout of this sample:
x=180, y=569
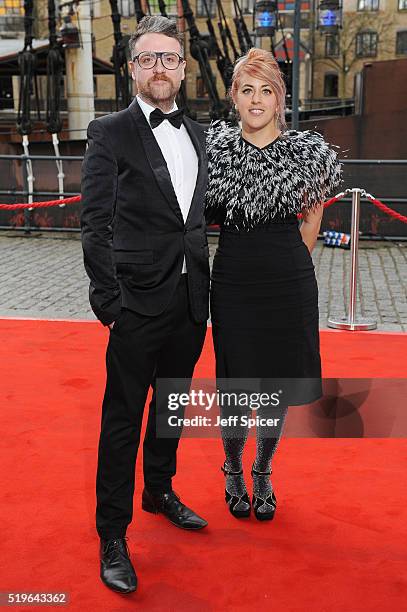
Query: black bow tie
x=157, y=117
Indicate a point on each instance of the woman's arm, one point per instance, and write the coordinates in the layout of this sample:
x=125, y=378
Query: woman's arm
x=311, y=223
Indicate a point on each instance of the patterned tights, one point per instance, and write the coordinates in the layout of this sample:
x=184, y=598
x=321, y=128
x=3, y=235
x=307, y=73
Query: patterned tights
x=267, y=440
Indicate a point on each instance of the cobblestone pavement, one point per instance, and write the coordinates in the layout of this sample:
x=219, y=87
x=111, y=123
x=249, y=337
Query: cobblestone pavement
x=42, y=276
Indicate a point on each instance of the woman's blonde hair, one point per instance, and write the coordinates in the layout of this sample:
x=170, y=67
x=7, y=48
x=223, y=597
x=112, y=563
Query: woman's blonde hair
x=260, y=64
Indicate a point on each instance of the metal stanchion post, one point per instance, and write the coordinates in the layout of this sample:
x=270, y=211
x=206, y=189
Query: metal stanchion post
x=60, y=168
x=350, y=322
x=29, y=180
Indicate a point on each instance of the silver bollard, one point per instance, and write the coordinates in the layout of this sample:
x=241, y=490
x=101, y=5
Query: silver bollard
x=350, y=322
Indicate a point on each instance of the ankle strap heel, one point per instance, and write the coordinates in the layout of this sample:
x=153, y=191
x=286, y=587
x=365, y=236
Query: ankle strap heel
x=239, y=505
x=264, y=509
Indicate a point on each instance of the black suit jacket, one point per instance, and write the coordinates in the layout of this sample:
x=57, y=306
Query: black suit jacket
x=133, y=233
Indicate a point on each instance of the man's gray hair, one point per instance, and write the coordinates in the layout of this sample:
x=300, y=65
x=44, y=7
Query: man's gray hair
x=155, y=24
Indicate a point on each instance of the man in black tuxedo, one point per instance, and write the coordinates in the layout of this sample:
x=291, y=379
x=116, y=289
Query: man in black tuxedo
x=146, y=253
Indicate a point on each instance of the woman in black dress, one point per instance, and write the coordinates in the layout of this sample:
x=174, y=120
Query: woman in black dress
x=264, y=295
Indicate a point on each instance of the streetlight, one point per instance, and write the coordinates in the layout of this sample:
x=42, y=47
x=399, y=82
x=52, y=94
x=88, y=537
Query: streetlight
x=265, y=17
x=329, y=19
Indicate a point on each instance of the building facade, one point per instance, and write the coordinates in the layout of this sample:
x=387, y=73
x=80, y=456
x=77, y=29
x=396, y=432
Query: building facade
x=372, y=30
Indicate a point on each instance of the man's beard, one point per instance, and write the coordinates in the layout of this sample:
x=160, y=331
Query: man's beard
x=163, y=93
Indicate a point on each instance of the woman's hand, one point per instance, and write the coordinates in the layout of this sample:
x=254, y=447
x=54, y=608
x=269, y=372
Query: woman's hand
x=311, y=223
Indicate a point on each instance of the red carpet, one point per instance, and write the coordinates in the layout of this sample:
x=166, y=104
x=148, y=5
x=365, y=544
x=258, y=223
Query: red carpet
x=338, y=541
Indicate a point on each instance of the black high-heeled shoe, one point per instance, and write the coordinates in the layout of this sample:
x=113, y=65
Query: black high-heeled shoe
x=264, y=509
x=239, y=506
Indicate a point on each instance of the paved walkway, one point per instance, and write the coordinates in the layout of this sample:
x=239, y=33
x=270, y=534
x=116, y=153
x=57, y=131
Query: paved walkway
x=42, y=276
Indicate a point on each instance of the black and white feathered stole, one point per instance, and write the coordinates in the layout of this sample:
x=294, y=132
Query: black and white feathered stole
x=249, y=186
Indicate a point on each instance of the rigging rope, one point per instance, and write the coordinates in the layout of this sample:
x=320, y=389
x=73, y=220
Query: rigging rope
x=54, y=75
x=119, y=61
x=26, y=62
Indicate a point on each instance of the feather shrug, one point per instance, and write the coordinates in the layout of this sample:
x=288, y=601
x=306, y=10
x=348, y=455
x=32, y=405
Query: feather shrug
x=249, y=186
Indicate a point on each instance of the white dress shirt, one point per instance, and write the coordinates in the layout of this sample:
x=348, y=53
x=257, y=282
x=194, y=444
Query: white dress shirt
x=180, y=156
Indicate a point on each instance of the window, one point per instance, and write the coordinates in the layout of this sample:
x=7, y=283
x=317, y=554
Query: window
x=401, y=43
x=286, y=14
x=201, y=10
x=368, y=5
x=289, y=5
x=330, y=85
x=126, y=8
x=287, y=20
x=332, y=45
x=11, y=16
x=247, y=7
x=366, y=44
x=402, y=5
x=11, y=7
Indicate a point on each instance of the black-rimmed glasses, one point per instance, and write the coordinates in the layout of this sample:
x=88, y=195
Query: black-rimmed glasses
x=148, y=59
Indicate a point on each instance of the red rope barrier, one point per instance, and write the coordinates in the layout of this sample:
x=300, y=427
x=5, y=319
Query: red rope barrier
x=327, y=203
x=41, y=204
x=333, y=200
x=77, y=198
x=388, y=211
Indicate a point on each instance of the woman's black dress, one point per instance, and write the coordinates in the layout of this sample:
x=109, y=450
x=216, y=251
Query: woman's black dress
x=264, y=295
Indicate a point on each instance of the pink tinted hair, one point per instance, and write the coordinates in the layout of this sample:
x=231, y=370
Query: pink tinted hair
x=260, y=64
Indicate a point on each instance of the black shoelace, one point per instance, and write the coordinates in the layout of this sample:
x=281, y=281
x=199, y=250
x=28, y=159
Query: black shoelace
x=114, y=546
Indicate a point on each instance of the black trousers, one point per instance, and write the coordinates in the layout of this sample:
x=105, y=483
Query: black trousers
x=141, y=349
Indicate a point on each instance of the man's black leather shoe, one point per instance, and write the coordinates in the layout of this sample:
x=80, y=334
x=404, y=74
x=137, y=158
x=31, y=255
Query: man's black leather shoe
x=171, y=506
x=116, y=570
